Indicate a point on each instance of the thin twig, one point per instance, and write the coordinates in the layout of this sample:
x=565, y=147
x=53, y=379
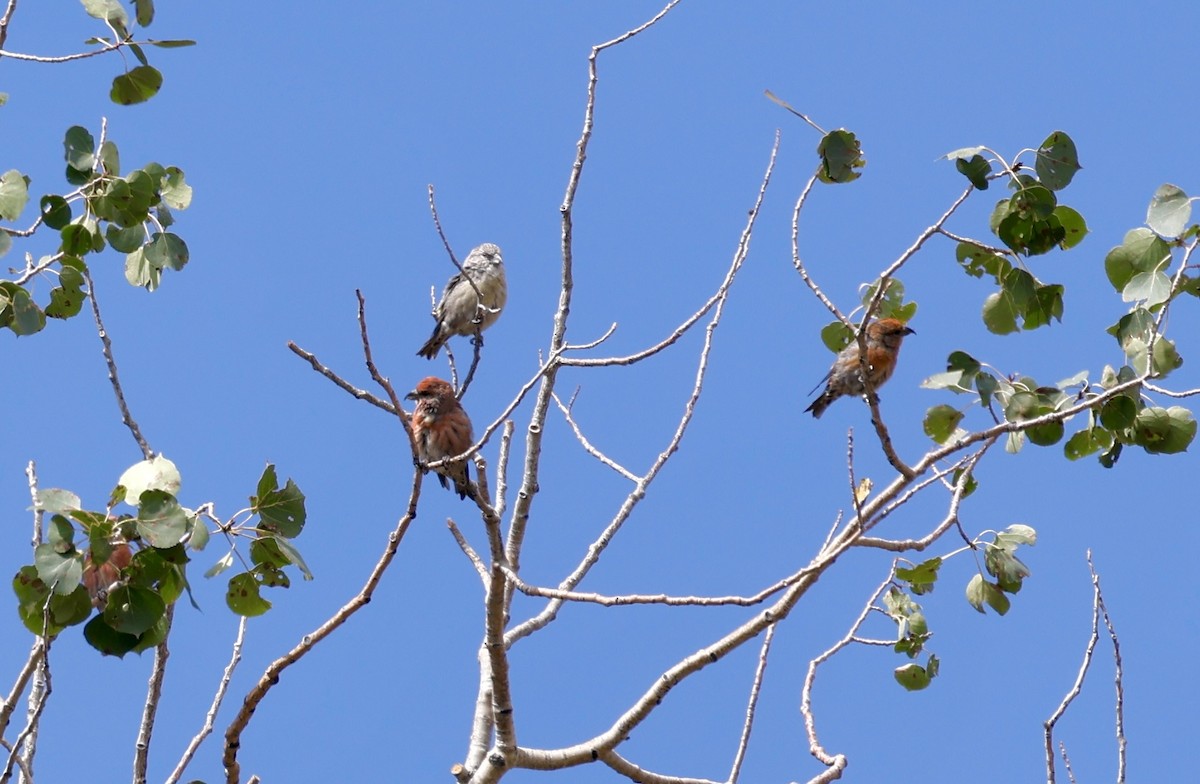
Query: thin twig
x=587, y=445
x=624, y=600
x=477, y=348
x=1118, y=676
x=210, y=718
x=468, y=551
x=755, y=687
x=360, y=394
x=1077, y=686
x=637, y=773
x=106, y=344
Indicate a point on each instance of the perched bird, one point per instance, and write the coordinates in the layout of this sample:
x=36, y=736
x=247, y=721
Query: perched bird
x=461, y=309
x=441, y=429
x=844, y=378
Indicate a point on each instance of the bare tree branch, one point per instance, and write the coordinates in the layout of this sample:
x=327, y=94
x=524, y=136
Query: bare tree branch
x=639, y=491
x=233, y=733
x=141, y=754
x=835, y=763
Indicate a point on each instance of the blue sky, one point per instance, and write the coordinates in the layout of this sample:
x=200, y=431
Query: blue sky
x=310, y=133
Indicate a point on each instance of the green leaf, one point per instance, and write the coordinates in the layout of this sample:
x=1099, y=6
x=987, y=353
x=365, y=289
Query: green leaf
x=243, y=596
x=110, y=159
x=1057, y=161
x=106, y=639
x=282, y=511
x=976, y=261
x=139, y=54
x=289, y=551
x=175, y=191
x=133, y=610
x=125, y=240
x=1160, y=431
x=841, y=156
x=60, y=534
x=1169, y=212
x=976, y=170
x=223, y=563
x=157, y=473
x=137, y=86
x=14, y=194
x=963, y=153
x=922, y=576
x=1073, y=224
x=1045, y=306
x=265, y=551
x=1006, y=568
x=1166, y=358
x=1087, y=442
x=171, y=44
x=107, y=10
x=161, y=520
x=1118, y=413
x=1152, y=287
x=55, y=500
x=167, y=250
x=912, y=676
x=1016, y=534
x=1046, y=434
x=140, y=272
x=153, y=636
x=27, y=317
x=941, y=422
x=71, y=609
x=56, y=212
x=79, y=148
x=76, y=239
x=836, y=336
x=198, y=533
x=5, y=246
x=145, y=11
x=1141, y=251
x=1033, y=202
x=62, y=572
x=981, y=592
x=998, y=314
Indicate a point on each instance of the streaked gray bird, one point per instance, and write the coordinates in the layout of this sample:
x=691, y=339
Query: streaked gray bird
x=461, y=310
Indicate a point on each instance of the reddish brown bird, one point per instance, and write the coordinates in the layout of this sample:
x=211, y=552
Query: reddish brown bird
x=441, y=429
x=844, y=378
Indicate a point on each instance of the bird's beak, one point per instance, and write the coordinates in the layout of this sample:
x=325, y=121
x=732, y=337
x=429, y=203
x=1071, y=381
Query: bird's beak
x=411, y=395
x=909, y=331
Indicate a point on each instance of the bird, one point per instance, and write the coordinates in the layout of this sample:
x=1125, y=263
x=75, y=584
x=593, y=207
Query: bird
x=441, y=428
x=844, y=378
x=464, y=307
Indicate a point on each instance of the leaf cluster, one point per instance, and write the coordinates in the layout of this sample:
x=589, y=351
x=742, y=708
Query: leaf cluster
x=130, y=213
x=912, y=629
x=120, y=572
